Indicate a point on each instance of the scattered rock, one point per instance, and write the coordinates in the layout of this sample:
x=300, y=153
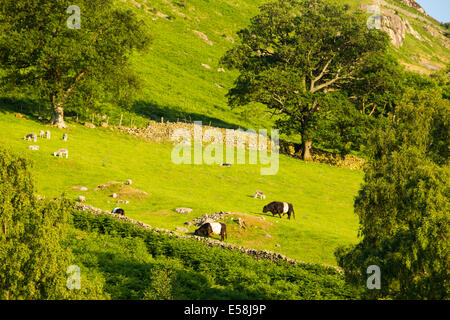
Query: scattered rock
x=218, y=86
x=206, y=66
x=203, y=36
x=79, y=188
x=277, y=245
x=268, y=236
x=122, y=201
x=183, y=210
x=20, y=116
x=104, y=125
x=114, y=195
x=207, y=218
x=89, y=125
x=241, y=223
x=221, y=70
x=81, y=199
x=181, y=229
x=128, y=182
x=162, y=15
x=33, y=147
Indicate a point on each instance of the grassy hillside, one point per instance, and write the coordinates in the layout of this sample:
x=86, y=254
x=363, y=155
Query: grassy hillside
x=177, y=86
x=322, y=195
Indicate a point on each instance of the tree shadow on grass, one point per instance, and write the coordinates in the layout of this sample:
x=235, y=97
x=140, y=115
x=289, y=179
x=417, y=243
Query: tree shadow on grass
x=156, y=112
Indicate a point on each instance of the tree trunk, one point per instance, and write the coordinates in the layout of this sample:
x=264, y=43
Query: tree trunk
x=306, y=150
x=58, y=115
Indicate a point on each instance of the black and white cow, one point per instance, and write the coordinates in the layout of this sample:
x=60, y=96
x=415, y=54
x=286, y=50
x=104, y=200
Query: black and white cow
x=207, y=229
x=280, y=208
x=118, y=211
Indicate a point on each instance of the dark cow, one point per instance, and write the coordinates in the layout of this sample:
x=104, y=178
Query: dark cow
x=280, y=208
x=118, y=211
x=207, y=229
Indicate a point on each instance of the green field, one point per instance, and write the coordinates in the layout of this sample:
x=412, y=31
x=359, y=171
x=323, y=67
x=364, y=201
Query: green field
x=322, y=195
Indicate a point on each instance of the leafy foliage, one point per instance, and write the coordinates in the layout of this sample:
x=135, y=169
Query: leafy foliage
x=403, y=205
x=33, y=262
x=294, y=53
x=70, y=66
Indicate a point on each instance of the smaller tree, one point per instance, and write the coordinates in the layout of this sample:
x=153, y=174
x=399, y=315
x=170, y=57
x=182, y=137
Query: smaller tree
x=69, y=66
x=33, y=262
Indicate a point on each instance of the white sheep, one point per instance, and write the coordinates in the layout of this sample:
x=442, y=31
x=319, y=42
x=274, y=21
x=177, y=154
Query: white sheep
x=61, y=152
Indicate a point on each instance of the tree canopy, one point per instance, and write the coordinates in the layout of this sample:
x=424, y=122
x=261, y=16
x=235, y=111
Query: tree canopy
x=403, y=205
x=39, y=48
x=294, y=53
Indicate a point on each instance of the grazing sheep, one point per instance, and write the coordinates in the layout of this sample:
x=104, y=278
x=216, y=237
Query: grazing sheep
x=33, y=147
x=128, y=182
x=47, y=134
x=65, y=136
x=30, y=136
x=259, y=194
x=41, y=134
x=61, y=152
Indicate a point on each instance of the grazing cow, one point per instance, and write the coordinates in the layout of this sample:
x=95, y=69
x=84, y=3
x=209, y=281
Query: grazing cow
x=65, y=137
x=47, y=134
x=30, y=136
x=259, y=194
x=61, y=152
x=41, y=134
x=212, y=228
x=280, y=208
x=118, y=211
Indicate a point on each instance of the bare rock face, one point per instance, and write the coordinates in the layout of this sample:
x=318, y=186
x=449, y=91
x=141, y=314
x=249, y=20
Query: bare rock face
x=394, y=26
x=413, y=4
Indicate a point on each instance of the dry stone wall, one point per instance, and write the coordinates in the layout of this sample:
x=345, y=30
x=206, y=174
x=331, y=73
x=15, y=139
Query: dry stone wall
x=163, y=132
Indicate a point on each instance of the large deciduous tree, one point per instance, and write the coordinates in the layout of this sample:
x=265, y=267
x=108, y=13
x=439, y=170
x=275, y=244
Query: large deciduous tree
x=293, y=53
x=42, y=47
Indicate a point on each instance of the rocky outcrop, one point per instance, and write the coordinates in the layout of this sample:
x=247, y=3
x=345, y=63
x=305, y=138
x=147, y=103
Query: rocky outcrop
x=413, y=4
x=394, y=25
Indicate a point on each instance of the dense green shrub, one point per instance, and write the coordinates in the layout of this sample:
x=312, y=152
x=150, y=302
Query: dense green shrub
x=33, y=263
